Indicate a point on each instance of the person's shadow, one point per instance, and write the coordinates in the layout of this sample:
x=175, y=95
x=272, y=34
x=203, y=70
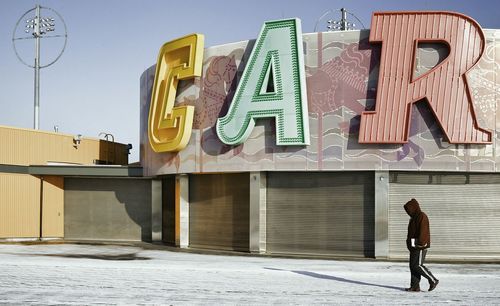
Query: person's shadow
x=335, y=278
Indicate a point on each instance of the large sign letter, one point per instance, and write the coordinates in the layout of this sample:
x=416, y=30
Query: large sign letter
x=169, y=127
x=273, y=85
x=444, y=87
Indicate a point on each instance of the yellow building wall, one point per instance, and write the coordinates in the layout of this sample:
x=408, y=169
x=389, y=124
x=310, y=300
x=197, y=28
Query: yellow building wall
x=53, y=206
x=31, y=147
x=20, y=193
x=19, y=206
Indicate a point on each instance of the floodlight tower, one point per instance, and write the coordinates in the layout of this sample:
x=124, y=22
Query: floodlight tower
x=39, y=27
x=343, y=24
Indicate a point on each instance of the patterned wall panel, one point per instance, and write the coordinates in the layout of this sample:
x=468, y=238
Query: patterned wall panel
x=342, y=78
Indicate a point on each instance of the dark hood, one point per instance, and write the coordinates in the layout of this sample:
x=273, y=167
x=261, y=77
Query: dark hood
x=412, y=208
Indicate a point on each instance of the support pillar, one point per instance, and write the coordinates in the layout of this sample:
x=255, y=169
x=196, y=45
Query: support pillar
x=381, y=214
x=182, y=210
x=257, y=229
x=156, y=210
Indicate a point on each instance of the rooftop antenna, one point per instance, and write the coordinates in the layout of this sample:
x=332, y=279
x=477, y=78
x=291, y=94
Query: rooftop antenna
x=39, y=27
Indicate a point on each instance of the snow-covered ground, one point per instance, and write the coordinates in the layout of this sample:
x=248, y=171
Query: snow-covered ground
x=110, y=274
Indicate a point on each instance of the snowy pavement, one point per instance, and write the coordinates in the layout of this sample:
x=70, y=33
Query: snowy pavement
x=110, y=274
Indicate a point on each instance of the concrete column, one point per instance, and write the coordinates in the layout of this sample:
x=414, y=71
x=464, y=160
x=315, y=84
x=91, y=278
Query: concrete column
x=381, y=214
x=156, y=210
x=257, y=212
x=182, y=210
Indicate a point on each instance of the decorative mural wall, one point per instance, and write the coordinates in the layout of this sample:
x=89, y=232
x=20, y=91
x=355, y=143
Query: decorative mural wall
x=342, y=71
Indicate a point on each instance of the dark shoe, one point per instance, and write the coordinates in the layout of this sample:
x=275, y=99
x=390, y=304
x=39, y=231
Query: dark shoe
x=413, y=289
x=432, y=286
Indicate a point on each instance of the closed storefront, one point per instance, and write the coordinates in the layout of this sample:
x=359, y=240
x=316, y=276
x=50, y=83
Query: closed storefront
x=318, y=154
x=328, y=213
x=463, y=209
x=107, y=209
x=219, y=211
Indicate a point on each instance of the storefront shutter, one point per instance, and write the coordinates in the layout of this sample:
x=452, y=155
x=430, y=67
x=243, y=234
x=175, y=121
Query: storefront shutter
x=323, y=213
x=463, y=209
x=219, y=211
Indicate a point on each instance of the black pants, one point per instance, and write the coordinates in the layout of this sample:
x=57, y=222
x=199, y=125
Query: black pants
x=417, y=268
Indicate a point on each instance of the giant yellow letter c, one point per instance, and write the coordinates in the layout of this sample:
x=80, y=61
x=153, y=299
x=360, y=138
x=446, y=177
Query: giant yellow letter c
x=169, y=127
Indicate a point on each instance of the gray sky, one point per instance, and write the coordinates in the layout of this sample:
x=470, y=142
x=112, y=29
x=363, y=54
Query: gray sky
x=94, y=87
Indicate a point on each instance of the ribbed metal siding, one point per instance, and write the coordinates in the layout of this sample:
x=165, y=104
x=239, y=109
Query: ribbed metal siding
x=320, y=213
x=219, y=211
x=19, y=206
x=444, y=87
x=31, y=147
x=464, y=217
x=53, y=207
x=107, y=209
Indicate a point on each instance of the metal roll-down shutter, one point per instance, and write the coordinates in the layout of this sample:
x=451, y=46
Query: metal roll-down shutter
x=463, y=210
x=219, y=211
x=329, y=213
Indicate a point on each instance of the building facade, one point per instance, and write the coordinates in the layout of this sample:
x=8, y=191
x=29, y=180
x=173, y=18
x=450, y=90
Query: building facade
x=60, y=186
x=342, y=193
x=290, y=144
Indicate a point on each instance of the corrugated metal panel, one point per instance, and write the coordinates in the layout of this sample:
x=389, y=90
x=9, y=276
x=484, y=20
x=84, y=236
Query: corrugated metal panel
x=464, y=219
x=321, y=213
x=107, y=209
x=53, y=207
x=20, y=194
x=219, y=211
x=444, y=86
x=30, y=147
x=19, y=206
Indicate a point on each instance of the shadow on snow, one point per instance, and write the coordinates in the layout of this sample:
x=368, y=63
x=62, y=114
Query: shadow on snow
x=339, y=279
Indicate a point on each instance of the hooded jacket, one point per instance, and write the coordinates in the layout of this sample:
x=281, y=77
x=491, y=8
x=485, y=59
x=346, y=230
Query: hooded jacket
x=418, y=227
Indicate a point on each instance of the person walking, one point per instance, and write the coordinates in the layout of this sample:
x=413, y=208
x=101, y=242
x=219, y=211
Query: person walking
x=418, y=241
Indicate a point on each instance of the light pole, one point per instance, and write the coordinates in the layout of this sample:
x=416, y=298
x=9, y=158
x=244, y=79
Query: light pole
x=39, y=27
x=340, y=25
x=37, y=33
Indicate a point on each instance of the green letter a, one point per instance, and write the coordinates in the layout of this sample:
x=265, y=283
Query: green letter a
x=273, y=85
